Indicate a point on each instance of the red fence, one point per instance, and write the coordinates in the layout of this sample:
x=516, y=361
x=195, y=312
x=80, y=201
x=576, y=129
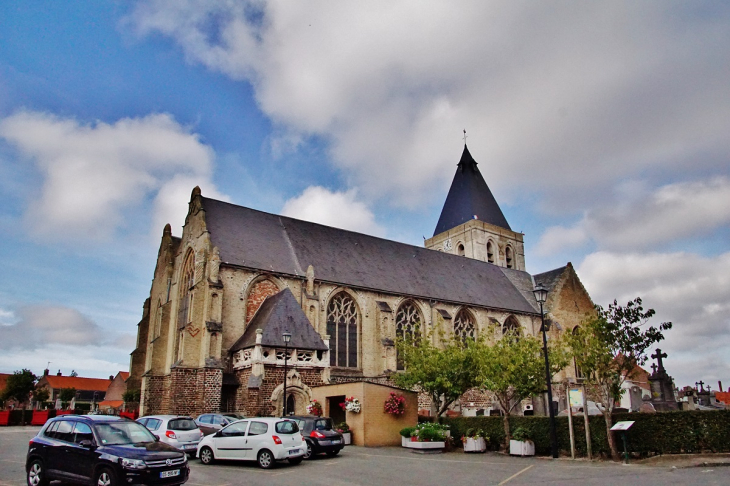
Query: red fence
x=5, y=417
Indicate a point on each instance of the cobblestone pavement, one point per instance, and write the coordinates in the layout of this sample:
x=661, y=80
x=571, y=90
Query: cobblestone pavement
x=398, y=466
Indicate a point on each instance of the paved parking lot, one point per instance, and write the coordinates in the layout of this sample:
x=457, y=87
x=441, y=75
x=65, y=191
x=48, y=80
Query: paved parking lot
x=398, y=466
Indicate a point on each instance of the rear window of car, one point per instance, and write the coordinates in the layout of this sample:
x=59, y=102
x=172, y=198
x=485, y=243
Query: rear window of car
x=287, y=427
x=182, y=424
x=323, y=424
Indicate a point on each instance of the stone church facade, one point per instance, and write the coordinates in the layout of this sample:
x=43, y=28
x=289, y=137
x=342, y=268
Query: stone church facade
x=224, y=292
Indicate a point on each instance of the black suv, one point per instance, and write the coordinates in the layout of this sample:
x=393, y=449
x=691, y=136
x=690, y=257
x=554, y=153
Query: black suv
x=319, y=435
x=102, y=450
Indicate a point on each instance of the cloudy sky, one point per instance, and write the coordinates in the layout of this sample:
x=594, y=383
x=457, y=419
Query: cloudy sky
x=601, y=127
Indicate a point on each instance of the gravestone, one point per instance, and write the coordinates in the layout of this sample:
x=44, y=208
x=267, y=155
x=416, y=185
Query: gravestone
x=662, y=385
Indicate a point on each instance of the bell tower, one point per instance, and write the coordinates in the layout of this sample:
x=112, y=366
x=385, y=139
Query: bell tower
x=472, y=224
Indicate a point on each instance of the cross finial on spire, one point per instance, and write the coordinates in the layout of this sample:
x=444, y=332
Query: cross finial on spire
x=465, y=136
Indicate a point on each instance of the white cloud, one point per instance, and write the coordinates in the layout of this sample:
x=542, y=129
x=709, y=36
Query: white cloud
x=337, y=209
x=643, y=220
x=575, y=95
x=93, y=172
x=39, y=326
x=689, y=290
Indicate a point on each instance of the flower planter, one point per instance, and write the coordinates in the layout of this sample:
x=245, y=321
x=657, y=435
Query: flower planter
x=404, y=441
x=475, y=444
x=521, y=448
x=427, y=446
x=347, y=438
x=40, y=417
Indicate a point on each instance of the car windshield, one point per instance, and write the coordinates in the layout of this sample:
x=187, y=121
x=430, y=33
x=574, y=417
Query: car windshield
x=121, y=433
x=182, y=424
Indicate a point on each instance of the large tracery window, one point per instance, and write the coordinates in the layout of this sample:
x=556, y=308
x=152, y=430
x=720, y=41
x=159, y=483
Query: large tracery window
x=511, y=325
x=464, y=327
x=407, y=326
x=342, y=317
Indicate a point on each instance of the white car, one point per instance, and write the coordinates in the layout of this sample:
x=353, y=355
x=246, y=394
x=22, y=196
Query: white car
x=262, y=439
x=177, y=430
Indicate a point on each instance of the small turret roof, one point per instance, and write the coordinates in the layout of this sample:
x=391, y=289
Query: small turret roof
x=279, y=313
x=468, y=197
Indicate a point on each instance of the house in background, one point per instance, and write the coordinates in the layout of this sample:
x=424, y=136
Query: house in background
x=113, y=400
x=88, y=390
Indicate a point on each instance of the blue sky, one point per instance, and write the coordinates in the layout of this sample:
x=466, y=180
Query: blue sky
x=601, y=128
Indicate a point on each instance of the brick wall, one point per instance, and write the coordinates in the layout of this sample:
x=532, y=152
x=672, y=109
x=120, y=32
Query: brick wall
x=156, y=399
x=256, y=297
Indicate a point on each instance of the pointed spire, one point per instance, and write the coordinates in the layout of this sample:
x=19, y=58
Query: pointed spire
x=469, y=198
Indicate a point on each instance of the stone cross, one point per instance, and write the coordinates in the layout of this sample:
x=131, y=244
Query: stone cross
x=702, y=383
x=658, y=356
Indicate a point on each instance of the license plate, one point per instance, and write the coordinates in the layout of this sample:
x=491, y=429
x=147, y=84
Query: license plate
x=169, y=474
x=293, y=451
x=335, y=441
x=190, y=446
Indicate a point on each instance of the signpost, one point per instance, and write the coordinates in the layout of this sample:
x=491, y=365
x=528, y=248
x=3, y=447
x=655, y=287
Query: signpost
x=624, y=426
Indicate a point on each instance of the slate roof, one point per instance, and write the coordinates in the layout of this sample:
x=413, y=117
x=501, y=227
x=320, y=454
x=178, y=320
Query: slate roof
x=469, y=196
x=262, y=241
x=550, y=279
x=279, y=313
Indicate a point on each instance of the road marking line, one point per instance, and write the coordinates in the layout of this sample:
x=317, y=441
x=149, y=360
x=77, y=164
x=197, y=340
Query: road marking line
x=515, y=475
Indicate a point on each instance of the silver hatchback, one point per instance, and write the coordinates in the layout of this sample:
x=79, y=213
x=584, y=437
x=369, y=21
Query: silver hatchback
x=177, y=430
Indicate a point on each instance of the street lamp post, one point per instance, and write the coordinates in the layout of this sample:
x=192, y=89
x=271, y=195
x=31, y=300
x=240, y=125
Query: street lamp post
x=287, y=337
x=541, y=296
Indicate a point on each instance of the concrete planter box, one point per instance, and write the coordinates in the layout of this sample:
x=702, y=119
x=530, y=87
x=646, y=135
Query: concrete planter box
x=520, y=448
x=426, y=446
x=404, y=441
x=347, y=438
x=477, y=444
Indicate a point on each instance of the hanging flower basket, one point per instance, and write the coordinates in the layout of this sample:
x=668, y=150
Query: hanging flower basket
x=395, y=404
x=314, y=408
x=351, y=404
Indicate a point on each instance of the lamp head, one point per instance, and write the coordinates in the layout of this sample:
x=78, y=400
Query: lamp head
x=287, y=336
x=540, y=293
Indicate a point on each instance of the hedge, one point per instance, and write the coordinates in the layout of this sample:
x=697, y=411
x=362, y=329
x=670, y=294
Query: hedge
x=656, y=433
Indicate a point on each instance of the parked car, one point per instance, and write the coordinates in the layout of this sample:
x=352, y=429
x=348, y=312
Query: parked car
x=102, y=450
x=213, y=422
x=319, y=435
x=179, y=431
x=262, y=439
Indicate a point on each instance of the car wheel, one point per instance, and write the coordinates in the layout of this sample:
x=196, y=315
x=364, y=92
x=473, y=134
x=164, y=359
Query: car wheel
x=37, y=474
x=266, y=459
x=295, y=460
x=333, y=453
x=105, y=477
x=309, y=452
x=206, y=455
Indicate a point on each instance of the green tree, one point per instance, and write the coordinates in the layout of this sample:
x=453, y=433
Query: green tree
x=607, y=348
x=445, y=372
x=513, y=368
x=19, y=387
x=41, y=395
x=131, y=396
x=66, y=395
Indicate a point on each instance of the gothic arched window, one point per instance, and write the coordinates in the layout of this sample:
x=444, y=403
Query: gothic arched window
x=460, y=249
x=408, y=323
x=342, y=321
x=464, y=327
x=185, y=312
x=511, y=325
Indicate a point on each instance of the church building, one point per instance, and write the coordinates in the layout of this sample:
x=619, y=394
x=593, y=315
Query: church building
x=225, y=293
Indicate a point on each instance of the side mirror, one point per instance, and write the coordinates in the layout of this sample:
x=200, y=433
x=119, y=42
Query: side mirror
x=218, y=434
x=86, y=444
x=157, y=438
